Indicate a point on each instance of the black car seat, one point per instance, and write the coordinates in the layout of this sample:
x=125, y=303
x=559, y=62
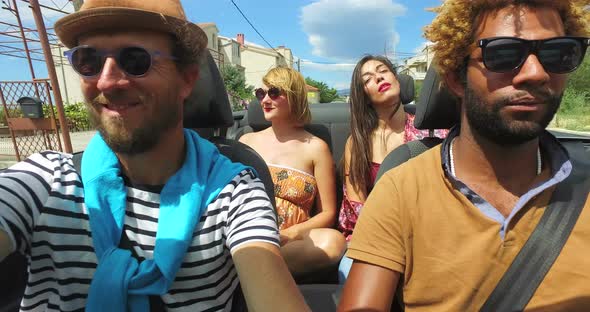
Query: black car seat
x=436, y=109
x=208, y=111
x=325, y=297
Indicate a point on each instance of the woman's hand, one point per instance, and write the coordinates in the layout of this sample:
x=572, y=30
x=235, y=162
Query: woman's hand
x=290, y=234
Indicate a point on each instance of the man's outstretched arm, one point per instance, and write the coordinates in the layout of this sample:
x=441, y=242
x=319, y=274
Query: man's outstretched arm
x=253, y=239
x=368, y=288
x=266, y=281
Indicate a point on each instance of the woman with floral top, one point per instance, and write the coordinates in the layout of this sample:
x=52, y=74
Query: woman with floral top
x=303, y=174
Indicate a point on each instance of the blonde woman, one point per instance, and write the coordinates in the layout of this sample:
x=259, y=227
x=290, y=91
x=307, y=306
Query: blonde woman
x=303, y=173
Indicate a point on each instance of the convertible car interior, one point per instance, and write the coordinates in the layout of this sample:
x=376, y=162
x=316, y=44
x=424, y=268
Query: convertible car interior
x=208, y=111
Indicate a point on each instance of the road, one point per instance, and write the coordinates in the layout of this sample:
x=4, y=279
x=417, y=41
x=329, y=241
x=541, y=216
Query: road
x=79, y=142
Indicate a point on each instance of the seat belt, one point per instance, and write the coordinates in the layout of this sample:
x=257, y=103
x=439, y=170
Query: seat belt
x=527, y=271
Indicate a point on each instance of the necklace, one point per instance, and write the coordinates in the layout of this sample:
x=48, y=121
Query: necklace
x=452, y=161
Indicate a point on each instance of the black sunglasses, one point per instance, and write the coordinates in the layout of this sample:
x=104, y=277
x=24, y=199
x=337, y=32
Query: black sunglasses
x=273, y=93
x=134, y=61
x=558, y=55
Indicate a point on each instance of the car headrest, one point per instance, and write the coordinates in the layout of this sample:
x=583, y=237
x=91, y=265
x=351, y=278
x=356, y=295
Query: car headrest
x=406, y=85
x=208, y=105
x=256, y=116
x=436, y=107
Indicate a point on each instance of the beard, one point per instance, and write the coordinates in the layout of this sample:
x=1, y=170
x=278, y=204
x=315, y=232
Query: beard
x=125, y=140
x=486, y=118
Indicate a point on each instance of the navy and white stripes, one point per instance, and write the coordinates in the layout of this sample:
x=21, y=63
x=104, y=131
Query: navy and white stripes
x=42, y=211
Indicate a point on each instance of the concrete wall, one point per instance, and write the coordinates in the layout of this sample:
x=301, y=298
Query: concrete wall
x=68, y=79
x=258, y=61
x=212, y=35
x=313, y=97
x=230, y=50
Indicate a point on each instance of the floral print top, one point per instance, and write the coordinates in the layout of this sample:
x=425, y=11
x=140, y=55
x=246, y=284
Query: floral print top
x=295, y=193
x=350, y=209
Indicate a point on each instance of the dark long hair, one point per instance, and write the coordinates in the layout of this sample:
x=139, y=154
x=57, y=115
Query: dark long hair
x=363, y=121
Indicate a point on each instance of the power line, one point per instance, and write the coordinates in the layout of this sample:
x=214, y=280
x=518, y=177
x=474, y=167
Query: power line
x=256, y=30
x=325, y=63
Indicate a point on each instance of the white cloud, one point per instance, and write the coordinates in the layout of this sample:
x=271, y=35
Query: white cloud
x=331, y=67
x=347, y=29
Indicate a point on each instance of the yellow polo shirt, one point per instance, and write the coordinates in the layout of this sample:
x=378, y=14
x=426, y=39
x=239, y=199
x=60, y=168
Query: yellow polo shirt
x=451, y=254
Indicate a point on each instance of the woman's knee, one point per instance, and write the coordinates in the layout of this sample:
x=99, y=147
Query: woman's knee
x=331, y=242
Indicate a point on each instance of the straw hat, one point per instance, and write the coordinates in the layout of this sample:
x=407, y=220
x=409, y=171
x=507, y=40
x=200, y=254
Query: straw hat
x=157, y=15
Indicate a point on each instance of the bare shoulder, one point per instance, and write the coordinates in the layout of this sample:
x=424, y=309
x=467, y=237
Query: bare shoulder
x=247, y=137
x=253, y=138
x=318, y=146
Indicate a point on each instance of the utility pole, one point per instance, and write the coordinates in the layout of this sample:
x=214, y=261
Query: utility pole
x=52, y=74
x=299, y=64
x=22, y=33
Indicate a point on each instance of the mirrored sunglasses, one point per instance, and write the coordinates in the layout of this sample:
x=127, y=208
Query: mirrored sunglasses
x=558, y=55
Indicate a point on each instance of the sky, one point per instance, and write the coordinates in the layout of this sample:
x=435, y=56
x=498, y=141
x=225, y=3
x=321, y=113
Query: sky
x=329, y=36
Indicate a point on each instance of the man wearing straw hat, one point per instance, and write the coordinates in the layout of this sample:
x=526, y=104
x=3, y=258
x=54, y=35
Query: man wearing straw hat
x=196, y=225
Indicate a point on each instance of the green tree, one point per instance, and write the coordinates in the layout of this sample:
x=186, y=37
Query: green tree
x=235, y=83
x=417, y=89
x=327, y=94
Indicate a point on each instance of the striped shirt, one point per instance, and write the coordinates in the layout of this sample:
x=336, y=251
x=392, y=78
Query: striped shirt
x=42, y=210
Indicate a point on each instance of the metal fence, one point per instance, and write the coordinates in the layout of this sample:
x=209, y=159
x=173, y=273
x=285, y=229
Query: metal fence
x=27, y=135
x=218, y=58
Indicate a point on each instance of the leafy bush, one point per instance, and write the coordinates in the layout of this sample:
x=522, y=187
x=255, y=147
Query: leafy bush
x=580, y=78
x=574, y=112
x=235, y=83
x=13, y=113
x=2, y=117
x=417, y=89
x=574, y=100
x=327, y=94
x=76, y=116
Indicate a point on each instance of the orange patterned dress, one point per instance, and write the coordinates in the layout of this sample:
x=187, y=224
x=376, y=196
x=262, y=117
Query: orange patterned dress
x=295, y=192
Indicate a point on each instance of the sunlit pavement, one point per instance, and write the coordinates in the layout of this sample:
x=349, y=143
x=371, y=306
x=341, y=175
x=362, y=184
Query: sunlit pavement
x=79, y=142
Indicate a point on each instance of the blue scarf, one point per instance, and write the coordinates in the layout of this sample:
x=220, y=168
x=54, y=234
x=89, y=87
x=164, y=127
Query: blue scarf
x=120, y=283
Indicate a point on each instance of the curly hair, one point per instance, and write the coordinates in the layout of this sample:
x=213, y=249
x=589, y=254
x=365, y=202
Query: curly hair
x=453, y=29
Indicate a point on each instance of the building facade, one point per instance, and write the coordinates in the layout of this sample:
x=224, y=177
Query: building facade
x=418, y=65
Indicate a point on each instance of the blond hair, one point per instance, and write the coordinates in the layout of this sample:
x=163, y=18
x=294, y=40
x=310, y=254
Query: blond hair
x=292, y=83
x=453, y=29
